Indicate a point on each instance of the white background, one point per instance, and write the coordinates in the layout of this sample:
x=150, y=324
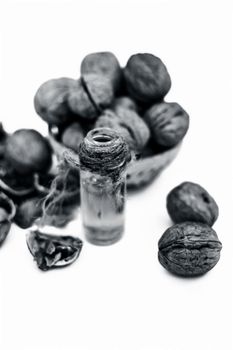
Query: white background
x=120, y=297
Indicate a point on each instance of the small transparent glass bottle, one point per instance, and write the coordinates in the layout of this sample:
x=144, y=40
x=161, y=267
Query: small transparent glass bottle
x=103, y=157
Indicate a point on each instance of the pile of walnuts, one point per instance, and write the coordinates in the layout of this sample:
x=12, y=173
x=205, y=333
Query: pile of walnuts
x=129, y=100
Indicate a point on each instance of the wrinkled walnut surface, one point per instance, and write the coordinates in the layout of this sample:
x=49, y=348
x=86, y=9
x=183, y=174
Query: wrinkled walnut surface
x=189, y=249
x=168, y=123
x=147, y=78
x=128, y=123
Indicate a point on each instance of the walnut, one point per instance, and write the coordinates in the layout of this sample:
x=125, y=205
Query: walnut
x=147, y=79
x=168, y=123
x=189, y=249
x=28, y=151
x=103, y=64
x=128, y=123
x=91, y=94
x=191, y=202
x=50, y=100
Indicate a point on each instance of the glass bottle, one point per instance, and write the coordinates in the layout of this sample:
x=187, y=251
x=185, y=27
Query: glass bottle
x=103, y=157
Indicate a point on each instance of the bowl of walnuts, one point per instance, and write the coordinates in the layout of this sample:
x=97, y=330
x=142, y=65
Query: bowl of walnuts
x=129, y=100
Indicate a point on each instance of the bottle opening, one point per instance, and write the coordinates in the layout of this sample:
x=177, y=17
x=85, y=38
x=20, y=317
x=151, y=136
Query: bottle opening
x=102, y=136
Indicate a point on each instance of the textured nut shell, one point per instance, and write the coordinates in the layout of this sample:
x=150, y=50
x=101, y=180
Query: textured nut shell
x=191, y=202
x=100, y=90
x=105, y=64
x=50, y=100
x=52, y=250
x=189, y=249
x=147, y=78
x=80, y=103
x=28, y=151
x=128, y=123
x=168, y=123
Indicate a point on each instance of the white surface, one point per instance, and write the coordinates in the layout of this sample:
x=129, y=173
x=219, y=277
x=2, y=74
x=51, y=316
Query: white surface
x=120, y=297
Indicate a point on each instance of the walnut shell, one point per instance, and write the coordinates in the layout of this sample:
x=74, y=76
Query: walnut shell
x=103, y=64
x=91, y=94
x=50, y=100
x=147, y=79
x=191, y=202
x=189, y=249
x=28, y=151
x=168, y=123
x=80, y=103
x=51, y=251
x=128, y=123
x=99, y=89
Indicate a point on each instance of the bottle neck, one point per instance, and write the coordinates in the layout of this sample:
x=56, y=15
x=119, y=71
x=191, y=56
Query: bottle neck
x=104, y=152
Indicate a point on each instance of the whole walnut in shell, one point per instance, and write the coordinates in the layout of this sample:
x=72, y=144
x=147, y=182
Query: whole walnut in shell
x=147, y=79
x=168, y=123
x=189, y=249
x=28, y=151
x=72, y=136
x=91, y=94
x=128, y=123
x=50, y=100
x=191, y=202
x=103, y=64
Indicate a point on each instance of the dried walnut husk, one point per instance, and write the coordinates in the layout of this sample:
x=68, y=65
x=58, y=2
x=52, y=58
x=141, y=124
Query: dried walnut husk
x=28, y=151
x=103, y=64
x=168, y=123
x=51, y=251
x=147, y=78
x=189, y=249
x=191, y=202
